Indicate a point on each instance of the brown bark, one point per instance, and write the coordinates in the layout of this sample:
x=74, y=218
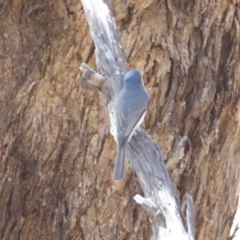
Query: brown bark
x=160, y=197
x=57, y=154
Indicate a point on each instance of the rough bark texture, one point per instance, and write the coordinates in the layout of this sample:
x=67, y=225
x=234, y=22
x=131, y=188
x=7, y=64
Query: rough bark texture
x=143, y=155
x=57, y=154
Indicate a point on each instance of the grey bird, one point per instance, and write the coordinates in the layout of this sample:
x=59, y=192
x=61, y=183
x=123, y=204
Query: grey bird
x=131, y=108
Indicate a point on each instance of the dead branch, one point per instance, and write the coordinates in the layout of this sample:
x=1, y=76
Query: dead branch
x=161, y=200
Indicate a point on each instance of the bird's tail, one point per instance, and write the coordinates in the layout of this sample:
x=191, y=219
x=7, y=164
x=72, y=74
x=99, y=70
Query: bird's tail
x=119, y=169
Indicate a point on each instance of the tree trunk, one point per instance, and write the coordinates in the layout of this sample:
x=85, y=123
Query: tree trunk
x=57, y=154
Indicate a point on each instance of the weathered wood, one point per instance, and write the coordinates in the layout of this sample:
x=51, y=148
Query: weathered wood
x=144, y=157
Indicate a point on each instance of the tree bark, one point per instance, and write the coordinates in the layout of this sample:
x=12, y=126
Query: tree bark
x=144, y=157
x=57, y=154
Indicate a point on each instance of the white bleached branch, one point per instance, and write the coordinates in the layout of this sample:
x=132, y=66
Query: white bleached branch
x=161, y=200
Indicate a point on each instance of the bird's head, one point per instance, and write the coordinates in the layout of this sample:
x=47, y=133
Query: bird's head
x=133, y=76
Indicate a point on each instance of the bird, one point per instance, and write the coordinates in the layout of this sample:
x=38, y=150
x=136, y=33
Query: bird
x=131, y=107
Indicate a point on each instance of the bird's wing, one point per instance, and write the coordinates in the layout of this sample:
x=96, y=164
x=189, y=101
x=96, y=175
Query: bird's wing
x=126, y=123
